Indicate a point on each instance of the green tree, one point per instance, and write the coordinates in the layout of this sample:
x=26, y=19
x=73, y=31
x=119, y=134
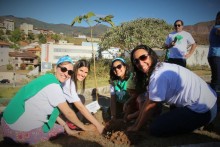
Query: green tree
x=42, y=38
x=90, y=18
x=148, y=31
x=2, y=37
x=30, y=37
x=9, y=67
x=56, y=37
x=16, y=36
x=8, y=32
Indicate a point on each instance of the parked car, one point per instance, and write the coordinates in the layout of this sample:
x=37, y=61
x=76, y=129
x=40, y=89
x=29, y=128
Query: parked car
x=5, y=81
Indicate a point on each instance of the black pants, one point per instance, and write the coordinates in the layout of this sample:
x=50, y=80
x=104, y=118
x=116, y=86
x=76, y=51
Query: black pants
x=181, y=62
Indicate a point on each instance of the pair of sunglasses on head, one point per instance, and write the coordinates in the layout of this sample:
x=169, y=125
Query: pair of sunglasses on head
x=64, y=69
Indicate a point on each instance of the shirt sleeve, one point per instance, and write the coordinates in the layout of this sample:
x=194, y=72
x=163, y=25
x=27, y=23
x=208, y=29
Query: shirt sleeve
x=190, y=39
x=69, y=91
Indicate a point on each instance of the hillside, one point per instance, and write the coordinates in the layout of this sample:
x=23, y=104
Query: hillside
x=58, y=28
x=200, y=31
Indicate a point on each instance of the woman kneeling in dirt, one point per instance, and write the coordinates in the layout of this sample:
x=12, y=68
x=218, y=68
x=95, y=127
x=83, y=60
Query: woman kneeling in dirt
x=70, y=88
x=119, y=75
x=31, y=115
x=169, y=83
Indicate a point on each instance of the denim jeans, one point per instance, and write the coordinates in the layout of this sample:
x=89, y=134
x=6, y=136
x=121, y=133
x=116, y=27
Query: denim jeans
x=180, y=120
x=214, y=63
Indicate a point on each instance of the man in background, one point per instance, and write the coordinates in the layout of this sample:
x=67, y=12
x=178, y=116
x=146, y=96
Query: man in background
x=177, y=43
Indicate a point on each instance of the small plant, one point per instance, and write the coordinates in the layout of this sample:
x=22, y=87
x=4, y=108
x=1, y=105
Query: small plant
x=23, y=66
x=9, y=67
x=30, y=67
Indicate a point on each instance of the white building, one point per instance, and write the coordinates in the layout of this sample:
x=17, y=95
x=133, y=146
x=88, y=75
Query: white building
x=50, y=53
x=9, y=24
x=26, y=28
x=110, y=53
x=4, y=53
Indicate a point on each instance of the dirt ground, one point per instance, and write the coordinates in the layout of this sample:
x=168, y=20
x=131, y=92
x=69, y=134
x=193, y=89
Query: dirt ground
x=115, y=134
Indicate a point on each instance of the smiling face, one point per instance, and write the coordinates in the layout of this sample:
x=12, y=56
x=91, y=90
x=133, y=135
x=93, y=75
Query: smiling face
x=143, y=60
x=82, y=72
x=119, y=69
x=63, y=71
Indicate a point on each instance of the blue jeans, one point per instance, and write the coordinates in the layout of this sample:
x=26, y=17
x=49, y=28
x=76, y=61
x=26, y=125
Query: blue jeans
x=214, y=63
x=178, y=121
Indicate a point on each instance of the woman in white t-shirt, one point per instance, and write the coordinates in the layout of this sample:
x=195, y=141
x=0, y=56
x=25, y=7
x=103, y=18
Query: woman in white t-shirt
x=175, y=85
x=70, y=87
x=31, y=115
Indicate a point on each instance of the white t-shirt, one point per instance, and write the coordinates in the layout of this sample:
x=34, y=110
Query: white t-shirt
x=179, y=50
x=39, y=107
x=174, y=84
x=69, y=91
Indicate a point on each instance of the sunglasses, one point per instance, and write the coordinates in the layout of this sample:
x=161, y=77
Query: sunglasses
x=64, y=69
x=117, y=67
x=141, y=58
x=178, y=25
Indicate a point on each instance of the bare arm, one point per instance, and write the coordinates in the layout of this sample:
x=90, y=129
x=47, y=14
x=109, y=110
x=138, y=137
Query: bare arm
x=70, y=115
x=145, y=114
x=191, y=51
x=85, y=112
x=64, y=125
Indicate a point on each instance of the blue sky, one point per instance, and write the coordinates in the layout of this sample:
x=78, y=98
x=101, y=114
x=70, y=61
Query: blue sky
x=64, y=11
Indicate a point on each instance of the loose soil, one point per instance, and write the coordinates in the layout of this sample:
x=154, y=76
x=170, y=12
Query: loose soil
x=115, y=134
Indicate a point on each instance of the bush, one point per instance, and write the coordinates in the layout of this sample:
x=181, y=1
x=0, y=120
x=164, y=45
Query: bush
x=9, y=67
x=23, y=66
x=30, y=67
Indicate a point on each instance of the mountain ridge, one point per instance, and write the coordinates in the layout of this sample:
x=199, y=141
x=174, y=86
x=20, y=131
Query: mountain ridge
x=200, y=31
x=58, y=28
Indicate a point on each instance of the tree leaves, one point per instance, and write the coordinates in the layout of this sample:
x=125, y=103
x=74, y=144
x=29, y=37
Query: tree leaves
x=148, y=31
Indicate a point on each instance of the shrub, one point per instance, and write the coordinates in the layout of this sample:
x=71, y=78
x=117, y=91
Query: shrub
x=30, y=67
x=23, y=66
x=9, y=67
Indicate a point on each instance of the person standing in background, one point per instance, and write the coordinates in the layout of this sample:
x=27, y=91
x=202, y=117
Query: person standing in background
x=214, y=53
x=177, y=43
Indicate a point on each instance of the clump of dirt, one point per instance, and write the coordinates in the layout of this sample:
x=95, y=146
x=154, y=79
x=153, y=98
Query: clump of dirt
x=115, y=131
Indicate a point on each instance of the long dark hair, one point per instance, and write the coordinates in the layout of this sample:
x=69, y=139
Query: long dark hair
x=142, y=79
x=114, y=77
x=77, y=65
x=217, y=15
